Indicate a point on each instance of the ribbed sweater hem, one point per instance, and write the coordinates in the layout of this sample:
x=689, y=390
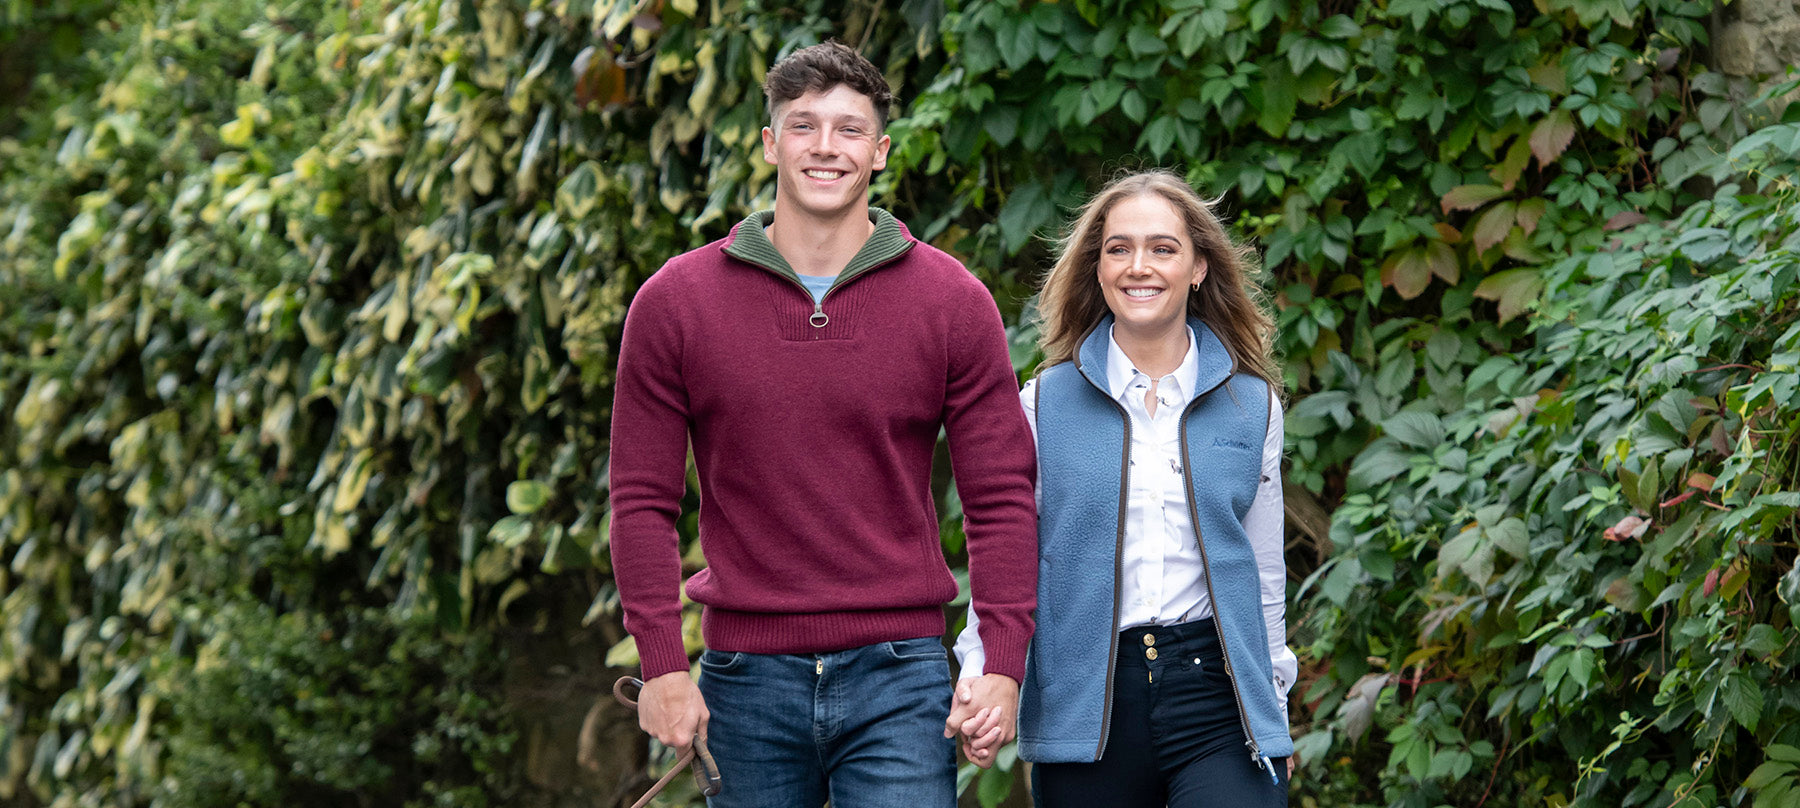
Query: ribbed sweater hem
x=817, y=632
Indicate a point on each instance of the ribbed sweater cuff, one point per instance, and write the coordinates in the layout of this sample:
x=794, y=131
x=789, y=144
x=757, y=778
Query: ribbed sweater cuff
x=1005, y=652
x=660, y=653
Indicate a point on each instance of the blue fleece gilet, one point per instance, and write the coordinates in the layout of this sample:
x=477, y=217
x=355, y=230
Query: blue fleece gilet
x=1082, y=446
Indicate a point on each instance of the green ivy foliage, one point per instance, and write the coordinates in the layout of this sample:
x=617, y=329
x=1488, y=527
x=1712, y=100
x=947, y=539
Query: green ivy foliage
x=1577, y=585
x=314, y=709
x=308, y=313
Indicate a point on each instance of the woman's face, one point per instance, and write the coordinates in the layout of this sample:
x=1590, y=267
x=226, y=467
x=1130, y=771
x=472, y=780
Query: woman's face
x=1147, y=263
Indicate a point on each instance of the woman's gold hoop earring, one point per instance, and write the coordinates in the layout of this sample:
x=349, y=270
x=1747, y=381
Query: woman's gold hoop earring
x=1194, y=286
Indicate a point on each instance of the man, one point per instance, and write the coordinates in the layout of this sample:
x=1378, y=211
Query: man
x=811, y=358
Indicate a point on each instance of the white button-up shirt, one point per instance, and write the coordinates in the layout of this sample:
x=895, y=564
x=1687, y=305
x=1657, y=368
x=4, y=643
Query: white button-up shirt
x=1162, y=578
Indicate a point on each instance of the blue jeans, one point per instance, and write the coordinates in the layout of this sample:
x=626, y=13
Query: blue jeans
x=863, y=728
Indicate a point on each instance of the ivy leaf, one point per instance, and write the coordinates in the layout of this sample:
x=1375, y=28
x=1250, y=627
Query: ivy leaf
x=1510, y=535
x=1002, y=124
x=526, y=496
x=994, y=788
x=1513, y=289
x=510, y=531
x=1456, y=550
x=1530, y=211
x=1703, y=244
x=1744, y=699
x=1441, y=258
x=1470, y=197
x=1339, y=26
x=1420, y=430
x=1624, y=219
x=1143, y=41
x=1133, y=105
x=1493, y=225
x=1279, y=99
x=1408, y=271
x=1551, y=137
x=1026, y=210
x=1508, y=171
x=1159, y=135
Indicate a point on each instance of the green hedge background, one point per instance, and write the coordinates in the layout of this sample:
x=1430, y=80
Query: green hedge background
x=308, y=312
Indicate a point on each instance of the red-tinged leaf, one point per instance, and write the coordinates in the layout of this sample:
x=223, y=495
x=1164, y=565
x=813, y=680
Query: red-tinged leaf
x=1517, y=246
x=1530, y=211
x=1508, y=171
x=1701, y=480
x=1447, y=234
x=1624, y=219
x=1493, y=224
x=1550, y=138
x=1513, y=289
x=1733, y=580
x=1676, y=500
x=1712, y=582
x=1630, y=527
x=1666, y=59
x=1470, y=197
x=1442, y=260
x=1719, y=439
x=1550, y=76
x=1407, y=272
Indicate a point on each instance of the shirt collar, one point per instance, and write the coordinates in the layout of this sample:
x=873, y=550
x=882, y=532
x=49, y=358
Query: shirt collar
x=1120, y=371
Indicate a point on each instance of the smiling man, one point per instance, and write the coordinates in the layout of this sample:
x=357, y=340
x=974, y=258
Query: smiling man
x=810, y=360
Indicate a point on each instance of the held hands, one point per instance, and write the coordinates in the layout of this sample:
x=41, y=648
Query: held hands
x=982, y=712
x=671, y=710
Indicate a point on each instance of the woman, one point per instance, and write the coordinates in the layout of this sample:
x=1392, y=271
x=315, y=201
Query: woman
x=1159, y=671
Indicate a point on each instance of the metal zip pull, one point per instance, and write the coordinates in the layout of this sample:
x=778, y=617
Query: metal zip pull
x=819, y=319
x=1262, y=761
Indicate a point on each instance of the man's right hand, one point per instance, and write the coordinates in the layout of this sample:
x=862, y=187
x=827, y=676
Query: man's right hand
x=671, y=710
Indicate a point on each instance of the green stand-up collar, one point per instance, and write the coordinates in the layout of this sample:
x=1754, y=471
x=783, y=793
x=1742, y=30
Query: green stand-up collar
x=749, y=243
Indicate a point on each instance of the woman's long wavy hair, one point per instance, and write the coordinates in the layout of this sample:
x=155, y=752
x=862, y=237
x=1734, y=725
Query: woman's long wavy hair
x=1071, y=302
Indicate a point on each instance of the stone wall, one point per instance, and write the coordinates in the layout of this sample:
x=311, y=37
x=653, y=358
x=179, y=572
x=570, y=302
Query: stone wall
x=1759, y=38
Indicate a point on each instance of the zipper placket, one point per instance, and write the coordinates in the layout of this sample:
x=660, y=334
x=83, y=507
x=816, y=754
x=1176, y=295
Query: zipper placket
x=1187, y=476
x=819, y=318
x=1112, y=648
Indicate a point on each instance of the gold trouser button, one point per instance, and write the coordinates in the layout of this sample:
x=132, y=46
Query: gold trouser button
x=1149, y=639
x=1150, y=653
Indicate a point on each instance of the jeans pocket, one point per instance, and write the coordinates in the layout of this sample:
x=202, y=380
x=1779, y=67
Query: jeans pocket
x=720, y=661
x=917, y=649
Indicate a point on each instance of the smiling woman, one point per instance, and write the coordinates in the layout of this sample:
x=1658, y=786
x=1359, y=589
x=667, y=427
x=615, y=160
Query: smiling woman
x=1147, y=268
x=1156, y=379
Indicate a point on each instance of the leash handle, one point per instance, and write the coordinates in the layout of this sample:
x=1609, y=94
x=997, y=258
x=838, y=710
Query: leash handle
x=706, y=771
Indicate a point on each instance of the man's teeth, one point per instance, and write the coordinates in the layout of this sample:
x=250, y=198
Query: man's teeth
x=824, y=175
x=1142, y=292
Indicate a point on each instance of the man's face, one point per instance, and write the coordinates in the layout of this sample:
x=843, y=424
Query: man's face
x=825, y=146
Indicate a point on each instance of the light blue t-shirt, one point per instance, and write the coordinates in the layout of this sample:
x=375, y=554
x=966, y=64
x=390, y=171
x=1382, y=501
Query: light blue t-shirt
x=818, y=285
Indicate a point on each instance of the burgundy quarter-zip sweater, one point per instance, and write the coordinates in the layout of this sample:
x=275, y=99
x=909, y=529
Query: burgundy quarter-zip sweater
x=813, y=427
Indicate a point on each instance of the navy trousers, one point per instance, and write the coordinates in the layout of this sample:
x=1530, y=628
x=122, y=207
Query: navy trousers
x=1175, y=738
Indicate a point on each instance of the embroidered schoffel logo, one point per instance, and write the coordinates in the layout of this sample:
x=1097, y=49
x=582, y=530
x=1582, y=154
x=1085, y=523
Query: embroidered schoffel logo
x=1234, y=444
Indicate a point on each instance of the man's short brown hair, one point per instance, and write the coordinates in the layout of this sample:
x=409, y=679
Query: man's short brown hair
x=822, y=67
